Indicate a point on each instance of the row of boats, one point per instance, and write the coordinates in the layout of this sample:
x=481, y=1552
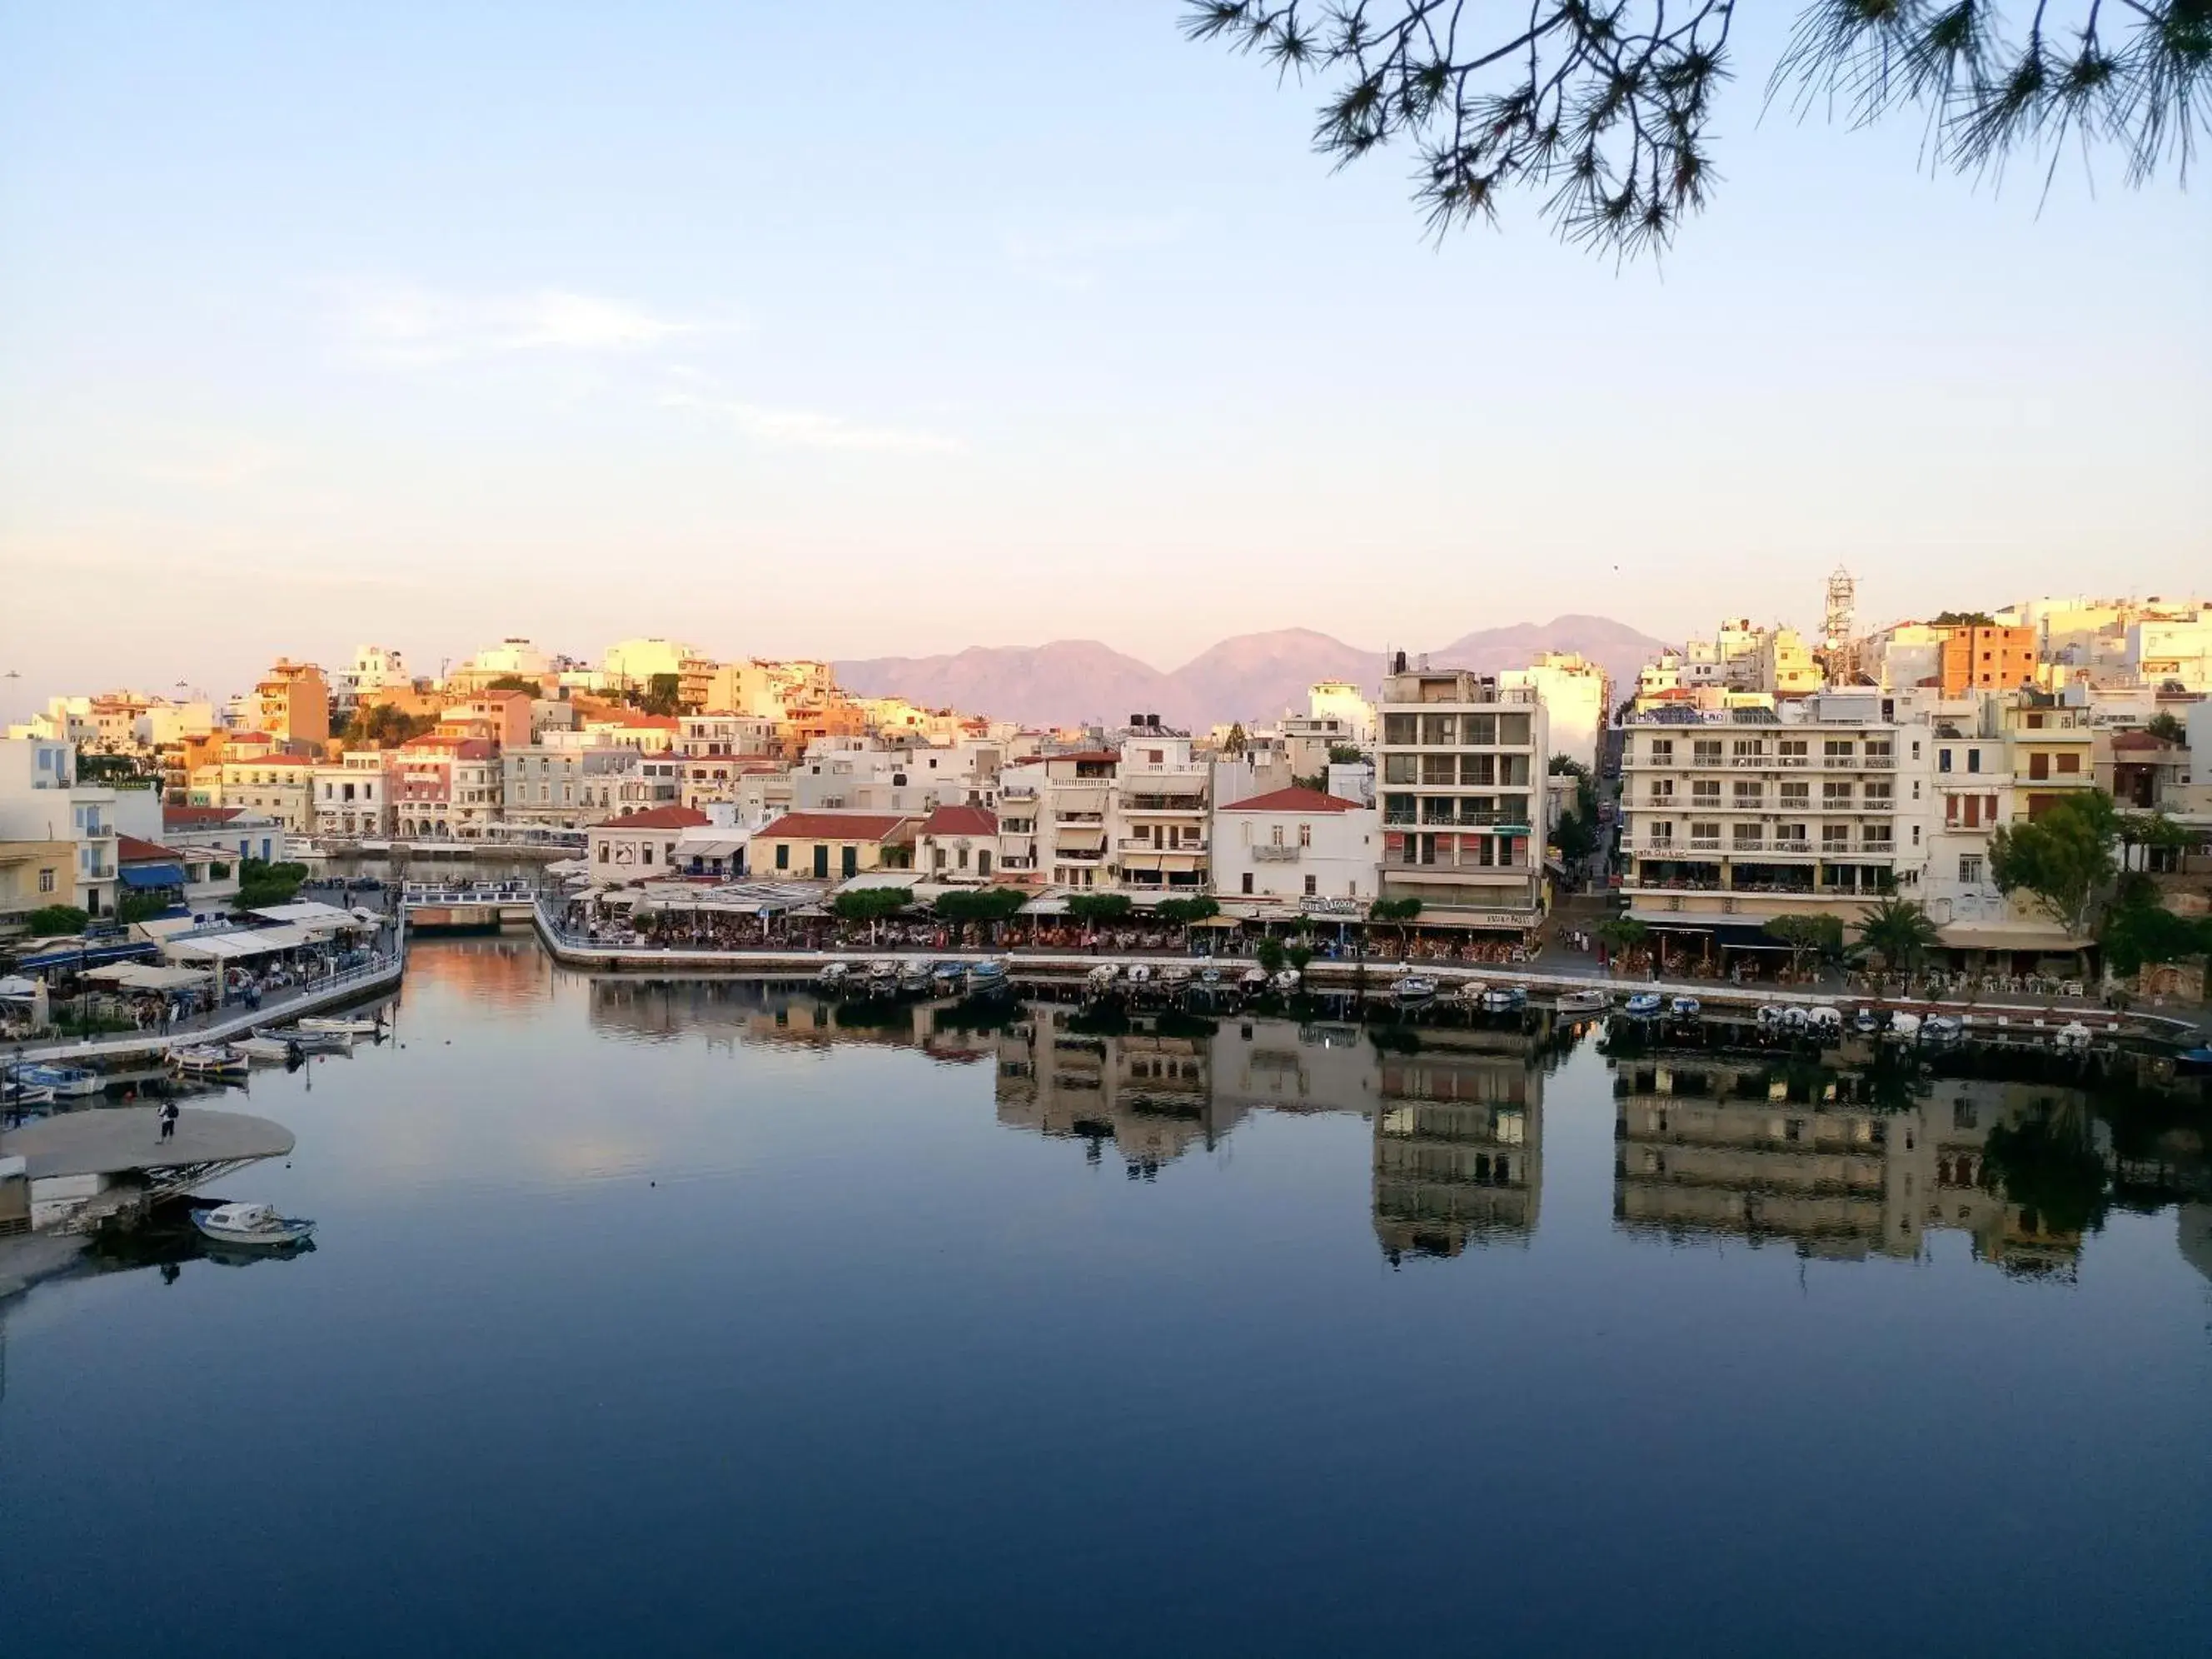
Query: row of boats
x=892, y=976
x=291, y=1045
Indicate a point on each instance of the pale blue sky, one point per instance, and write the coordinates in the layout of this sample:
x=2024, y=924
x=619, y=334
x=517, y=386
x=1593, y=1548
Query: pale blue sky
x=853, y=329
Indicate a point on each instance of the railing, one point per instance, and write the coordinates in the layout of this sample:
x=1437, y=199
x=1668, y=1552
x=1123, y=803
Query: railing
x=1267, y=852
x=1143, y=844
x=1704, y=843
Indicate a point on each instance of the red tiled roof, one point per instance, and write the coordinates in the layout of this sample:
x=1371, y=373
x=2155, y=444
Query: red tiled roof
x=960, y=821
x=658, y=817
x=1294, y=800
x=197, y=817
x=637, y=722
x=2138, y=740
x=832, y=826
x=1110, y=755
x=128, y=849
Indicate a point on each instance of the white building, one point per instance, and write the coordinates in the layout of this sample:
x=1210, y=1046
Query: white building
x=866, y=775
x=1341, y=699
x=1294, y=845
x=1463, y=761
x=1155, y=820
x=2176, y=649
x=1577, y=698
x=40, y=799
x=353, y=798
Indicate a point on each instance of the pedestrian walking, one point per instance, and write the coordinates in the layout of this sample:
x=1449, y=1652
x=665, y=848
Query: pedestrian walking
x=168, y=1116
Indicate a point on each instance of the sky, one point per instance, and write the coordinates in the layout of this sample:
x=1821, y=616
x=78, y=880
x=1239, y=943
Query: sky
x=859, y=329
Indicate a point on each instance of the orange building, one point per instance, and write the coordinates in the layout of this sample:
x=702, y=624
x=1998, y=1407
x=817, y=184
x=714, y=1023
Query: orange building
x=1988, y=659
x=293, y=702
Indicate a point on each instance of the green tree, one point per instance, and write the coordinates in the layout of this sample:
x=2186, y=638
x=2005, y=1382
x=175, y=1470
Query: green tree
x=2140, y=930
x=1961, y=619
x=2062, y=859
x=53, y=921
x=1236, y=743
x=1621, y=934
x=1187, y=913
x=1820, y=936
x=1400, y=911
x=1346, y=754
x=1562, y=765
x=2048, y=1165
x=385, y=725
x=663, y=695
x=1898, y=930
x=2167, y=728
x=1600, y=113
x=1297, y=956
x=1092, y=908
x=1271, y=956
x=142, y=907
x=869, y=905
x=515, y=682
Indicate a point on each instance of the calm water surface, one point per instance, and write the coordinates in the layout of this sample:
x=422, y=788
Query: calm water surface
x=652, y=1318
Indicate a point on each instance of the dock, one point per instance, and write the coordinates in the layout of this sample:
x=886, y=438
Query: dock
x=86, y=1169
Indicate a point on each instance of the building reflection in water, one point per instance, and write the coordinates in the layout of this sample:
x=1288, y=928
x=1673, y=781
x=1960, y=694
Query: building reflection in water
x=1840, y=1165
x=492, y=971
x=1458, y=1144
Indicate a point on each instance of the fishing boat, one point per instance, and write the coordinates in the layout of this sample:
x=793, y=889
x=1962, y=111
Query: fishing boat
x=1211, y=978
x=1139, y=973
x=831, y=975
x=947, y=978
x=2194, y=1062
x=882, y=976
x=989, y=978
x=1413, y=990
x=1825, y=1018
x=1102, y=975
x=63, y=1082
x=252, y=1224
x=1175, y=976
x=209, y=1059
x=1940, y=1029
x=266, y=1045
x=2072, y=1038
x=1253, y=981
x=1868, y=1022
x=1504, y=999
x=1583, y=1002
x=1903, y=1027
x=342, y=1024
x=1288, y=981
x=1644, y=1004
x=1684, y=1007
x=14, y=1093
x=914, y=978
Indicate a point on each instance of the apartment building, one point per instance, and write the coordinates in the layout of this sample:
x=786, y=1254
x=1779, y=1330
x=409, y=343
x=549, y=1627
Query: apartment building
x=1730, y=819
x=864, y=774
x=717, y=751
x=34, y=874
x=957, y=844
x=1157, y=813
x=1979, y=659
x=277, y=786
x=42, y=802
x=292, y=703
x=353, y=798
x=1053, y=816
x=1577, y=698
x=1462, y=760
x=564, y=785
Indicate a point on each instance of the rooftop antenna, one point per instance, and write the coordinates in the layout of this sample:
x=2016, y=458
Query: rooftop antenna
x=1843, y=599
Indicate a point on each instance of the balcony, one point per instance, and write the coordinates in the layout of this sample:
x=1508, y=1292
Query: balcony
x=1145, y=844
x=1078, y=818
x=1269, y=853
x=1078, y=854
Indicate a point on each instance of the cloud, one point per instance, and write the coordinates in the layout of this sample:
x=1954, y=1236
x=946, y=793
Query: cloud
x=799, y=428
x=409, y=327
x=1071, y=255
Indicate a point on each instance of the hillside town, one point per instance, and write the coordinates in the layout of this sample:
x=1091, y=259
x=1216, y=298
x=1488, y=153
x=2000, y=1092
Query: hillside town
x=1751, y=800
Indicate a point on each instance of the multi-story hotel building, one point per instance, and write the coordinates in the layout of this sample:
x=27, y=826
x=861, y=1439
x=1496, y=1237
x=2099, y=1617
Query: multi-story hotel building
x=1732, y=818
x=1462, y=763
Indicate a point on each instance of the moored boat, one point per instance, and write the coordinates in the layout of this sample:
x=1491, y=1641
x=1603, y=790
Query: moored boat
x=63, y=1082
x=1412, y=990
x=832, y=974
x=1942, y=1029
x=1643, y=1005
x=252, y=1224
x=1253, y=980
x=342, y=1024
x=988, y=977
x=1503, y=999
x=209, y=1059
x=265, y=1045
x=1583, y=1002
x=1686, y=1007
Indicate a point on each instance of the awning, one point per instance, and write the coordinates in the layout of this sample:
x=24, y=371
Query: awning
x=15, y=986
x=230, y=947
x=153, y=875
x=308, y=913
x=78, y=956
x=1965, y=938
x=139, y=976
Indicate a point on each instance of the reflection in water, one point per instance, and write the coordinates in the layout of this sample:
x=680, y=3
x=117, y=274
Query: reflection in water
x=1458, y=1146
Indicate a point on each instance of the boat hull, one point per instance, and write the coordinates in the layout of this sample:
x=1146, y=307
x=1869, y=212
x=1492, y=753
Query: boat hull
x=271, y=1238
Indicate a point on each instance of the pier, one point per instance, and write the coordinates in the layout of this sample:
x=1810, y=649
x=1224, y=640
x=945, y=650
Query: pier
x=88, y=1168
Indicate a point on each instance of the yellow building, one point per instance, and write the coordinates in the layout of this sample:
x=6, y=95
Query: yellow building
x=2053, y=754
x=281, y=786
x=832, y=846
x=292, y=703
x=34, y=874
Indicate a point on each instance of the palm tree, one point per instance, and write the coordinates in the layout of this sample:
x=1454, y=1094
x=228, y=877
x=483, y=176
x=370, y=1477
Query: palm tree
x=1899, y=931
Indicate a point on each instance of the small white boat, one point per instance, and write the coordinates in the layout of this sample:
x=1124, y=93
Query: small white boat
x=1412, y=989
x=251, y=1223
x=1102, y=976
x=1503, y=999
x=833, y=973
x=1868, y=1022
x=1583, y=1002
x=1288, y=981
x=883, y=972
x=988, y=978
x=2073, y=1038
x=63, y=1082
x=1140, y=973
x=1211, y=978
x=1643, y=1005
x=1824, y=1017
x=264, y=1045
x=1253, y=980
x=1903, y=1026
x=1174, y=976
x=1686, y=1007
x=915, y=978
x=1941, y=1028
x=209, y=1059
x=341, y=1025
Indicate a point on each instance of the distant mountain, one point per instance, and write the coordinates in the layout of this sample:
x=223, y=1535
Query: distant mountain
x=1251, y=678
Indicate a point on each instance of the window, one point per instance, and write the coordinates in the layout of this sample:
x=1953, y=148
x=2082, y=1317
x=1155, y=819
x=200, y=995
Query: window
x=1970, y=869
x=1248, y=881
x=1834, y=794
x=1973, y=760
x=1792, y=750
x=2039, y=764
x=1748, y=838
x=1943, y=760
x=1662, y=833
x=1746, y=748
x=1305, y=834
x=1835, y=837
x=1662, y=751
x=1706, y=792
x=1797, y=795
x=1747, y=794
x=2069, y=761
x=45, y=876
x=1878, y=796
x=1662, y=789
x=783, y=855
x=603, y=852
x=1789, y=834
x=1835, y=749
x=1704, y=835
x=1705, y=752
x=1310, y=886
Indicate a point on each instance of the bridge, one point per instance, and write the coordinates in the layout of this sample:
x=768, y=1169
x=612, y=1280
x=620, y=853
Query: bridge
x=466, y=904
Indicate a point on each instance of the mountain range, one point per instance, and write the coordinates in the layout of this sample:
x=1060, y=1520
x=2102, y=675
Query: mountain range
x=1250, y=677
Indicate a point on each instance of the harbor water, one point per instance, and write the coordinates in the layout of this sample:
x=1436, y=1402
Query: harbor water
x=658, y=1318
